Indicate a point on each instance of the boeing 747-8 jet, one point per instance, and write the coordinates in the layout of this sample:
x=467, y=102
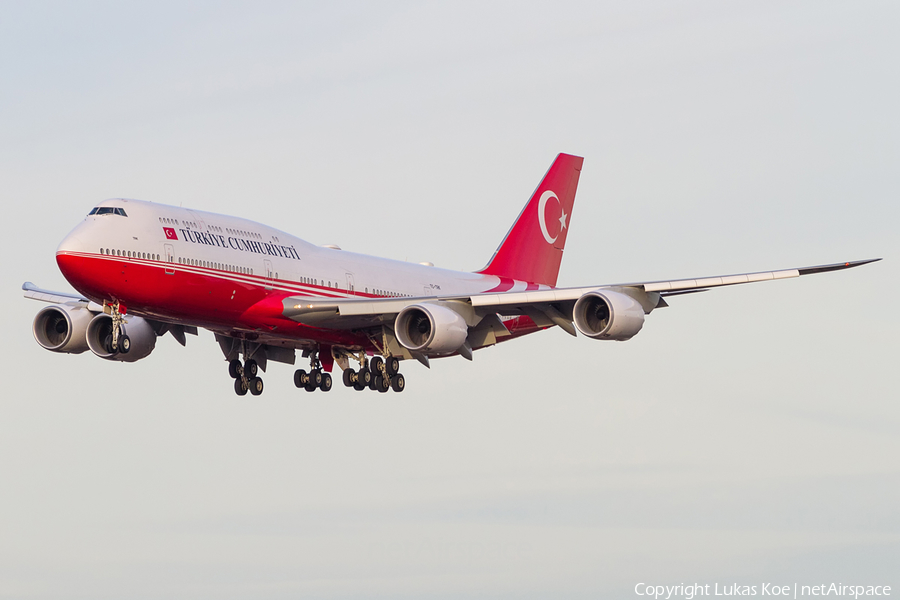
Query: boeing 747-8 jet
x=143, y=270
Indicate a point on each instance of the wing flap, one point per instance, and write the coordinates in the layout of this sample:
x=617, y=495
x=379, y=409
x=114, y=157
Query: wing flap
x=710, y=282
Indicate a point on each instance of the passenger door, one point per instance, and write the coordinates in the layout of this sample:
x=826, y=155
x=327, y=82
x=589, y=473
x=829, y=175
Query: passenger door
x=270, y=272
x=170, y=259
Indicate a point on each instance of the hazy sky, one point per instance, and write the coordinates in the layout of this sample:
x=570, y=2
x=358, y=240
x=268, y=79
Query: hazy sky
x=746, y=435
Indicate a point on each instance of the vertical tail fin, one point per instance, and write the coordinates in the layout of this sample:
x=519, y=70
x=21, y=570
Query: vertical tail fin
x=532, y=249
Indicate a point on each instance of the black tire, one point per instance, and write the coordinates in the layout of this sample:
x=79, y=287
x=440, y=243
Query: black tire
x=375, y=376
x=375, y=366
x=363, y=377
x=107, y=343
x=124, y=344
x=392, y=364
x=300, y=378
x=398, y=382
x=381, y=384
x=310, y=386
x=235, y=368
x=348, y=372
x=325, y=386
x=315, y=377
x=256, y=386
x=239, y=387
x=251, y=368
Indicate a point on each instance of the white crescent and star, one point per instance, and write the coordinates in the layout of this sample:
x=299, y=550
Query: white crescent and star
x=542, y=204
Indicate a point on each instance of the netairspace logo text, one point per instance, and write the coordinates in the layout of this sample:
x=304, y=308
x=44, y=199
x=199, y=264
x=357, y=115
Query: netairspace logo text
x=691, y=591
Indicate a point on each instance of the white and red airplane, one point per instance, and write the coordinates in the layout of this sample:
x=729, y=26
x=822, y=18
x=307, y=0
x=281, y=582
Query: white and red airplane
x=266, y=294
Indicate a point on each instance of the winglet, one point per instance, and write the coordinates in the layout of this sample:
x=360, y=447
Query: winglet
x=836, y=266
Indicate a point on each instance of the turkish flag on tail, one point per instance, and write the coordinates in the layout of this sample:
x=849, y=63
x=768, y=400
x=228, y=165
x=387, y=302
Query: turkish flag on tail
x=170, y=233
x=533, y=249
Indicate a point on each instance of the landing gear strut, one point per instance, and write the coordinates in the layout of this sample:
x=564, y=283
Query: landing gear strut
x=316, y=379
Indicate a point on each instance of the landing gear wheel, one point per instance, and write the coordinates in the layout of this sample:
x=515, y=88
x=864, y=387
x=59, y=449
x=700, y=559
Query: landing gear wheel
x=256, y=386
x=240, y=386
x=375, y=365
x=375, y=375
x=235, y=369
x=251, y=368
x=124, y=344
x=300, y=378
x=107, y=344
x=326, y=382
x=398, y=382
x=392, y=364
x=381, y=384
x=313, y=380
x=346, y=377
x=363, y=377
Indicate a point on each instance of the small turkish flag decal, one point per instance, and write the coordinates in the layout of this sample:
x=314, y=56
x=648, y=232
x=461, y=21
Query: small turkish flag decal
x=170, y=233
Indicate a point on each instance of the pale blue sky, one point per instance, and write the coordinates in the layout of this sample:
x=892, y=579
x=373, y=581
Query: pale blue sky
x=745, y=435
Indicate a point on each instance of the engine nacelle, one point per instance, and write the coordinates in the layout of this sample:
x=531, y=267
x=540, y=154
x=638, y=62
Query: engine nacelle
x=430, y=329
x=61, y=328
x=608, y=315
x=139, y=331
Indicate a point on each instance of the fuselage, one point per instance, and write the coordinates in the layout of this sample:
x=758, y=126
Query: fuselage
x=220, y=272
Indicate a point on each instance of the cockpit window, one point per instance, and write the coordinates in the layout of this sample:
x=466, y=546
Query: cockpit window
x=107, y=210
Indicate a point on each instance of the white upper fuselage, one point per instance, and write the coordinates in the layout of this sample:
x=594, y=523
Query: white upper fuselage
x=219, y=243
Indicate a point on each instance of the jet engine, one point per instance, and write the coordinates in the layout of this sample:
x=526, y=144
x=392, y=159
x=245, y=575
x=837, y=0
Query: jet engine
x=61, y=328
x=608, y=315
x=430, y=329
x=139, y=331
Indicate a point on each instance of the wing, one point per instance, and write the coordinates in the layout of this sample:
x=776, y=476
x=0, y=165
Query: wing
x=35, y=293
x=546, y=307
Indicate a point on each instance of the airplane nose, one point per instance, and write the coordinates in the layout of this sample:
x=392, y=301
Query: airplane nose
x=71, y=243
x=72, y=260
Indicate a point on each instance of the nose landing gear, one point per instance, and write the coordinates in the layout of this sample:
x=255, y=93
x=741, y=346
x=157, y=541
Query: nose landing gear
x=116, y=341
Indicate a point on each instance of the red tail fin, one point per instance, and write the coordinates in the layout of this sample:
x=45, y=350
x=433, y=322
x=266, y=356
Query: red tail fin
x=532, y=250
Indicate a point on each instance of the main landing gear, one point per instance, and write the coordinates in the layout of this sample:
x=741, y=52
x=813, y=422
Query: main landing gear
x=245, y=377
x=116, y=342
x=316, y=379
x=378, y=374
